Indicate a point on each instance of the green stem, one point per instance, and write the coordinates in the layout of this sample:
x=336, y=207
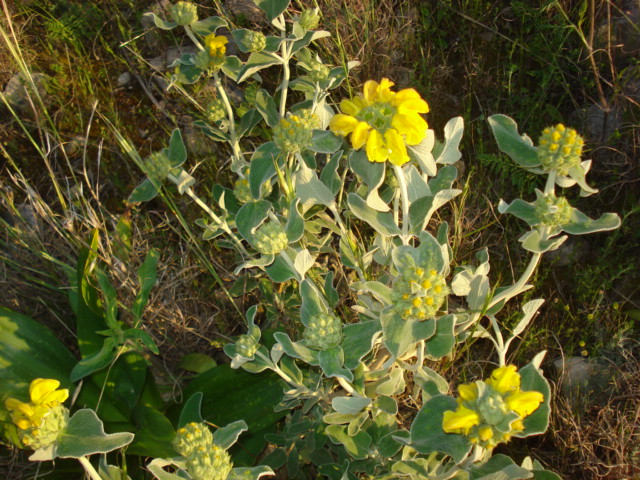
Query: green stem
x=286, y=73
x=346, y=235
x=193, y=38
x=84, y=461
x=502, y=352
x=549, y=188
x=237, y=154
x=405, y=203
x=347, y=386
x=516, y=288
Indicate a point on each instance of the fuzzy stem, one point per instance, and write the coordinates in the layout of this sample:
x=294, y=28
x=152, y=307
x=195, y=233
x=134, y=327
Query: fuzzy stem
x=232, y=124
x=193, y=38
x=284, y=85
x=500, y=347
x=549, y=188
x=516, y=288
x=91, y=471
x=347, y=386
x=405, y=203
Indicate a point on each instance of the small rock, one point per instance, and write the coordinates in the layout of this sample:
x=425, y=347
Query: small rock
x=597, y=126
x=18, y=90
x=585, y=382
x=124, y=79
x=245, y=8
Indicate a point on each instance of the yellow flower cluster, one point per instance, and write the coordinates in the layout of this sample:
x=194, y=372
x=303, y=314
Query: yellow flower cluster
x=41, y=420
x=491, y=411
x=560, y=148
x=44, y=396
x=216, y=46
x=294, y=133
x=205, y=459
x=383, y=121
x=418, y=293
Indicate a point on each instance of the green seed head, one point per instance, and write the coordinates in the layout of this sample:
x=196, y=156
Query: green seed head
x=323, y=331
x=246, y=346
x=293, y=134
x=270, y=238
x=319, y=72
x=560, y=149
x=184, y=13
x=157, y=166
x=192, y=437
x=553, y=211
x=418, y=293
x=47, y=433
x=254, y=41
x=209, y=463
x=215, y=110
x=309, y=18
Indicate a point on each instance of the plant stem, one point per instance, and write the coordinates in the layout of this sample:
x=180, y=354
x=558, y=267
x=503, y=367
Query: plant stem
x=284, y=85
x=84, y=461
x=516, y=288
x=502, y=353
x=237, y=154
x=549, y=188
x=405, y=203
x=193, y=38
x=347, y=386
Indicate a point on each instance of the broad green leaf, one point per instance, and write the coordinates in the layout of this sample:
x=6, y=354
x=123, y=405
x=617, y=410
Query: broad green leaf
x=272, y=8
x=329, y=177
x=417, y=187
x=324, y=141
x=197, y=362
x=422, y=154
x=538, y=421
x=248, y=121
x=282, y=269
x=422, y=209
x=401, y=335
x=443, y=340
x=313, y=302
x=160, y=23
x=431, y=382
x=228, y=435
x=499, y=467
x=297, y=350
x=394, y=384
x=191, y=411
x=303, y=262
x=111, y=472
x=357, y=446
x=94, y=362
x=212, y=132
x=177, y=152
x=382, y=222
x=358, y=341
x=580, y=224
x=444, y=179
x=143, y=193
x=372, y=173
x=523, y=210
x=256, y=62
x=533, y=242
x=387, y=405
x=147, y=276
x=267, y=108
x=519, y=147
x=427, y=435
x=263, y=167
x=309, y=37
x=453, y=131
x=310, y=189
x=84, y=435
x=208, y=25
x=250, y=216
x=232, y=66
x=295, y=222
x=331, y=362
x=350, y=405
x=156, y=467
x=380, y=291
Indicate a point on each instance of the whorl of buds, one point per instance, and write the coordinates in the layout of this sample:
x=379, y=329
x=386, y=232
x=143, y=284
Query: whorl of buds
x=293, y=134
x=254, y=41
x=318, y=71
x=191, y=437
x=157, y=166
x=216, y=110
x=560, y=149
x=309, y=18
x=47, y=433
x=418, y=293
x=205, y=459
x=270, y=238
x=184, y=13
x=247, y=346
x=553, y=211
x=323, y=331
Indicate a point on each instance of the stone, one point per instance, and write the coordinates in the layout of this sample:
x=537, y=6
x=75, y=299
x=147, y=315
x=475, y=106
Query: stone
x=18, y=90
x=123, y=79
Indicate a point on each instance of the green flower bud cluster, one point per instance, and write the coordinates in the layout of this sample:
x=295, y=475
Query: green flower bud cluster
x=254, y=41
x=270, y=238
x=205, y=459
x=293, y=134
x=553, y=211
x=247, y=346
x=241, y=190
x=157, y=166
x=418, y=293
x=323, y=331
x=202, y=60
x=216, y=110
x=309, y=18
x=184, y=13
x=47, y=433
x=319, y=71
x=560, y=149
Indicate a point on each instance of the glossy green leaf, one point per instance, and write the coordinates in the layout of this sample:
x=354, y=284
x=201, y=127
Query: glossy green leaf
x=197, y=362
x=153, y=435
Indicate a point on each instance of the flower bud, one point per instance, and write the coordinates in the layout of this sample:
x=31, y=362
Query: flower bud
x=157, y=166
x=324, y=331
x=246, y=346
x=184, y=13
x=560, y=149
x=47, y=432
x=216, y=110
x=293, y=134
x=318, y=71
x=254, y=41
x=270, y=238
x=418, y=293
x=309, y=18
x=191, y=437
x=552, y=211
x=209, y=463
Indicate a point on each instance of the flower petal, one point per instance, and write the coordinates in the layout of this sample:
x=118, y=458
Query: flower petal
x=468, y=391
x=460, y=421
x=370, y=91
x=342, y=124
x=40, y=388
x=350, y=107
x=505, y=379
x=398, y=155
x=376, y=149
x=360, y=135
x=524, y=403
x=412, y=125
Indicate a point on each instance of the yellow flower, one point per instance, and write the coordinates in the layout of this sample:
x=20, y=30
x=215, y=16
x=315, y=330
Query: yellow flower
x=461, y=420
x=524, y=403
x=383, y=120
x=216, y=45
x=44, y=396
x=505, y=379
